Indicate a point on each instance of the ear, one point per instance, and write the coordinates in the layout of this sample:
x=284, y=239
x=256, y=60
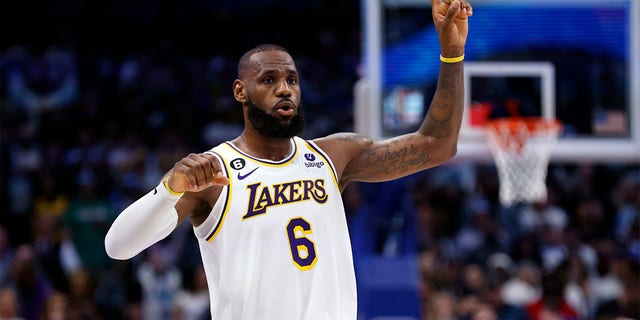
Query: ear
x=239, y=91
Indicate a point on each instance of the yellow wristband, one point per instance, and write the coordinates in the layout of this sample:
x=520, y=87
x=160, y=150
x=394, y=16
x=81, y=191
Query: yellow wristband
x=166, y=185
x=451, y=60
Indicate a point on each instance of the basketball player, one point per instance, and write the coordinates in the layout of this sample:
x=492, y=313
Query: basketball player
x=266, y=207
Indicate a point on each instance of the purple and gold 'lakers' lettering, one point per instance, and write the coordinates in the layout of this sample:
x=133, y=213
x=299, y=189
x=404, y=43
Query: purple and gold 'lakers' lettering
x=261, y=198
x=279, y=193
x=294, y=196
x=264, y=201
x=319, y=193
x=308, y=186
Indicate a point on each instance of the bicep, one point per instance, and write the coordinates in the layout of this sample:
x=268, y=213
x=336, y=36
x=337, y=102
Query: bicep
x=394, y=158
x=358, y=158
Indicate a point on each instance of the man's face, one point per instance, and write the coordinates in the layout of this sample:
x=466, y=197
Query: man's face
x=273, y=95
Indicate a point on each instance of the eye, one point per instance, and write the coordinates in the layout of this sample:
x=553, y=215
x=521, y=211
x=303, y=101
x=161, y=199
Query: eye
x=267, y=80
x=292, y=81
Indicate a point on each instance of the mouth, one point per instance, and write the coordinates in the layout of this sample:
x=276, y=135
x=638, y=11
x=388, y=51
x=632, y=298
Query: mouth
x=286, y=108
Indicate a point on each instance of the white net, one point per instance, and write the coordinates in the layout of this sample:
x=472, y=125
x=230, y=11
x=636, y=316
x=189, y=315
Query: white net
x=521, y=150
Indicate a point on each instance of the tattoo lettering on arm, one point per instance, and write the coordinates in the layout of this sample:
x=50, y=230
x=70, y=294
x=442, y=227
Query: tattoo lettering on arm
x=395, y=159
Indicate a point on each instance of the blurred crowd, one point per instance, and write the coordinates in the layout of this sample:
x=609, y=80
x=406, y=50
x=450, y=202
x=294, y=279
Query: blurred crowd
x=575, y=255
x=85, y=134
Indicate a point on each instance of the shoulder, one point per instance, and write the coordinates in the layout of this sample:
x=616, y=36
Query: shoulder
x=344, y=145
x=343, y=141
x=342, y=148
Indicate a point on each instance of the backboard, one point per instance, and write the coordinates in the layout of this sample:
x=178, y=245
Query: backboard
x=576, y=61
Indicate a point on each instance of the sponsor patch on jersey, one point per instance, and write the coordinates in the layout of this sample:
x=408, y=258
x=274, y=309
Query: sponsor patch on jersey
x=311, y=163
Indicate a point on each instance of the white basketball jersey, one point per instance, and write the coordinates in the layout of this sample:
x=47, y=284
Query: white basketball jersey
x=276, y=244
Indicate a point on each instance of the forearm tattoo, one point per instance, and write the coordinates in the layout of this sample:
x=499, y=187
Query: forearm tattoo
x=445, y=114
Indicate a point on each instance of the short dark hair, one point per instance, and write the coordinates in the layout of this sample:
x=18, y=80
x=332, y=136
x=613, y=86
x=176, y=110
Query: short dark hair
x=260, y=48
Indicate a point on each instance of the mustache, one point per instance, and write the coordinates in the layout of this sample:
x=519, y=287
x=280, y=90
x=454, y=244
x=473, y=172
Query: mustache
x=288, y=101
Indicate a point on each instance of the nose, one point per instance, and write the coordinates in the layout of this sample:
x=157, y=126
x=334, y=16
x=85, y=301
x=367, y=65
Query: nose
x=283, y=89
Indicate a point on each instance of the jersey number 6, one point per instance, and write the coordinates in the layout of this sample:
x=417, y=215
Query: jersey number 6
x=303, y=250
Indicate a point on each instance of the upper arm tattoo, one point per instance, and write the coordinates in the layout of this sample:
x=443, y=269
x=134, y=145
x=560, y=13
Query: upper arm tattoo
x=398, y=157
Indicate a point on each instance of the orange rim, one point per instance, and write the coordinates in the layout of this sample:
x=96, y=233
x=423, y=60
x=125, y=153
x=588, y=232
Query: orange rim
x=513, y=132
x=533, y=124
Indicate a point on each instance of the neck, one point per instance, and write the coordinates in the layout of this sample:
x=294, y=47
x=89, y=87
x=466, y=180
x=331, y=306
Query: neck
x=263, y=147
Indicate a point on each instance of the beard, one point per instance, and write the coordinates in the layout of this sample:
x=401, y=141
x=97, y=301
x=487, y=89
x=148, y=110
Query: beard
x=270, y=127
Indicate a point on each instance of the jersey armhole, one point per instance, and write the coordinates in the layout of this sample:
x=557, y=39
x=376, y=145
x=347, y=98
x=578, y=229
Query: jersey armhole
x=212, y=224
x=312, y=145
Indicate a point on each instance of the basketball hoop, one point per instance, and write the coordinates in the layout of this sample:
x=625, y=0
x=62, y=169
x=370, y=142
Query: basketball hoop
x=521, y=149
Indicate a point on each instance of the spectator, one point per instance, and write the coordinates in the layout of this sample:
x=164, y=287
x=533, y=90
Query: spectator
x=546, y=214
x=25, y=156
x=81, y=303
x=56, y=307
x=48, y=250
x=436, y=212
x=472, y=284
x=482, y=237
x=192, y=302
x=50, y=200
x=9, y=304
x=88, y=220
x=367, y=230
x=484, y=312
x=493, y=305
x=627, y=303
x=6, y=254
x=627, y=201
x=440, y=306
x=29, y=283
x=499, y=267
x=160, y=280
x=590, y=219
x=605, y=285
x=552, y=304
x=44, y=85
x=114, y=289
x=524, y=287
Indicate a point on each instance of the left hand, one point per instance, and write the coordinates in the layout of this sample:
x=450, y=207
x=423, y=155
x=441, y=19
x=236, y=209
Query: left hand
x=451, y=22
